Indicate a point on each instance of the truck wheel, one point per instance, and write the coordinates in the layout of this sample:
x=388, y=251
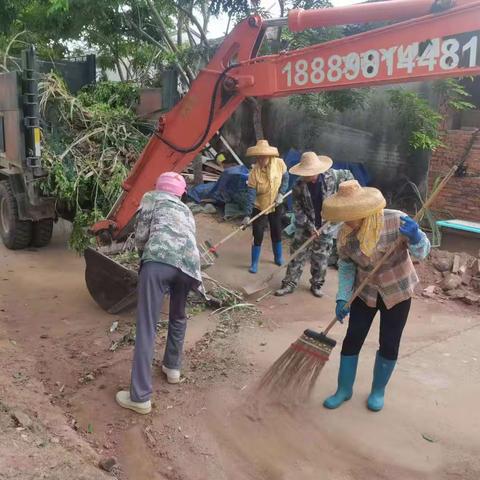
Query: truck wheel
x=42, y=232
x=16, y=234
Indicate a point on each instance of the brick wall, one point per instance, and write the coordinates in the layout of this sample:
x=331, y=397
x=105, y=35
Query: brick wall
x=460, y=198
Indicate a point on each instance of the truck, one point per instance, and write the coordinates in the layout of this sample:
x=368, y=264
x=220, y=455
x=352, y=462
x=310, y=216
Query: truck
x=26, y=214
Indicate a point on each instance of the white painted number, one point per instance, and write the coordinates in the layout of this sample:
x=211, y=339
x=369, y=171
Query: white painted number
x=318, y=75
x=334, y=68
x=388, y=56
x=288, y=70
x=352, y=66
x=301, y=72
x=450, y=59
x=407, y=56
x=370, y=63
x=429, y=57
x=471, y=46
x=438, y=53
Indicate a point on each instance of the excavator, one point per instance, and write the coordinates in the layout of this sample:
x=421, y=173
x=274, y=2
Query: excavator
x=423, y=40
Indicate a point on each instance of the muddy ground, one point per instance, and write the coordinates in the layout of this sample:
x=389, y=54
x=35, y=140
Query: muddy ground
x=58, y=378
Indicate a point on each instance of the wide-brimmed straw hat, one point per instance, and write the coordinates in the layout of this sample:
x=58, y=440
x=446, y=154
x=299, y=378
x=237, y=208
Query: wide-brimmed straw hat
x=262, y=149
x=352, y=202
x=311, y=164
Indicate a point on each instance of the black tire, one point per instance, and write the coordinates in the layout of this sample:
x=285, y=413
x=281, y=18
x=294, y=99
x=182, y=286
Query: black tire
x=16, y=234
x=42, y=232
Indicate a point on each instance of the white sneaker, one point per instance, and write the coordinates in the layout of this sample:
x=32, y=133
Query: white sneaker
x=124, y=400
x=173, y=376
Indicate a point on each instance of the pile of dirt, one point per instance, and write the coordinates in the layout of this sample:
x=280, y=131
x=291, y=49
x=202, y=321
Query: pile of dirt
x=450, y=275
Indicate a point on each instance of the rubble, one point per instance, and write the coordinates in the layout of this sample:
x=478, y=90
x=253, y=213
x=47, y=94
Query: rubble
x=460, y=276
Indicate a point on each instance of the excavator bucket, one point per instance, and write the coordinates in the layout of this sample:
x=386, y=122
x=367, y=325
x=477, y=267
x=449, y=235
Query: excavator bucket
x=112, y=286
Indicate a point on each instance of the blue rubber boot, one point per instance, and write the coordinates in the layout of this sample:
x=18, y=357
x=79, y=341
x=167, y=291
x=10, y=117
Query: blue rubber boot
x=277, y=253
x=381, y=375
x=255, y=258
x=346, y=378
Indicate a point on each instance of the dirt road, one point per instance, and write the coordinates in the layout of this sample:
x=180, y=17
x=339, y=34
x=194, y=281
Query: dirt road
x=56, y=366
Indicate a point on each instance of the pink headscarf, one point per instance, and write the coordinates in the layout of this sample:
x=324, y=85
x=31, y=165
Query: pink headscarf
x=171, y=182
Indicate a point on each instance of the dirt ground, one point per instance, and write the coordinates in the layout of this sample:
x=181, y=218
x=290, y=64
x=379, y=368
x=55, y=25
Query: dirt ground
x=56, y=367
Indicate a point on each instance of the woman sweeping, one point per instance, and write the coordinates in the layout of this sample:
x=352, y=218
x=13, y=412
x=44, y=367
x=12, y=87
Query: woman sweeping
x=267, y=183
x=170, y=263
x=367, y=233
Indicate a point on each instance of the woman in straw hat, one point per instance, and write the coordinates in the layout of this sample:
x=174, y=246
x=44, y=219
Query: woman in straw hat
x=317, y=182
x=267, y=183
x=368, y=231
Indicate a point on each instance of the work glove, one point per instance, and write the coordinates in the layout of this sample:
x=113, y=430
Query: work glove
x=279, y=199
x=341, y=310
x=245, y=222
x=411, y=230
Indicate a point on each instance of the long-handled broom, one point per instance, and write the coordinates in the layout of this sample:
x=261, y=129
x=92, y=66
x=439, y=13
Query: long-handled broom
x=209, y=251
x=292, y=377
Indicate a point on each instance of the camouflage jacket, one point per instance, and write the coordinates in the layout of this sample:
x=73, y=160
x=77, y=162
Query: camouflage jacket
x=165, y=232
x=302, y=201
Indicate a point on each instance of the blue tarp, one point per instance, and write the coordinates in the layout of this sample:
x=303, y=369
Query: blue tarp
x=231, y=187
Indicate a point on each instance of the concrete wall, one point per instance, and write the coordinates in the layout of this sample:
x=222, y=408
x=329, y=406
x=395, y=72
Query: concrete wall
x=369, y=136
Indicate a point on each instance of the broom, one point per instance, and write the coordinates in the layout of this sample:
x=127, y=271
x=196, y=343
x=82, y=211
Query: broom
x=293, y=376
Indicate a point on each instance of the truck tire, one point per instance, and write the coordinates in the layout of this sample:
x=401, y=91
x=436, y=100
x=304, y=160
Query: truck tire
x=16, y=234
x=42, y=232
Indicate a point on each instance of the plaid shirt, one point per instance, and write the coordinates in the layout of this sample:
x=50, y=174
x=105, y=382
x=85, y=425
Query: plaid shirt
x=396, y=279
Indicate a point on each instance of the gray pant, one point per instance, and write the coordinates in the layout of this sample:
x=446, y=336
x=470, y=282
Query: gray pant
x=155, y=280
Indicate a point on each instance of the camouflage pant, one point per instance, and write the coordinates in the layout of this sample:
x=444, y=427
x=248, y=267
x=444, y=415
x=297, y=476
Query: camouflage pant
x=318, y=252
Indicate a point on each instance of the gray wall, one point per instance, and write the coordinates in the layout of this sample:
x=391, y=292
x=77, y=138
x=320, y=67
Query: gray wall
x=369, y=136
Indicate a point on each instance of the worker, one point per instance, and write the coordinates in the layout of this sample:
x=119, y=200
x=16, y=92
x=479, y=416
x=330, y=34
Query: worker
x=267, y=184
x=170, y=263
x=369, y=230
x=317, y=181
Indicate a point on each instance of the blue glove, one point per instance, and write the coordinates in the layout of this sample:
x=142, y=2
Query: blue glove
x=341, y=310
x=411, y=230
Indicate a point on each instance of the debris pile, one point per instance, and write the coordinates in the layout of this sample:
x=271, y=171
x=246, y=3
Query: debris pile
x=90, y=142
x=455, y=276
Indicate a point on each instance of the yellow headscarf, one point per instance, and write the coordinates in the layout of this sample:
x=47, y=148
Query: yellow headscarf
x=368, y=234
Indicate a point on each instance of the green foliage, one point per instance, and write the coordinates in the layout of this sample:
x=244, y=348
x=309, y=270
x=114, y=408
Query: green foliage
x=112, y=94
x=89, y=149
x=453, y=95
x=416, y=119
x=230, y=7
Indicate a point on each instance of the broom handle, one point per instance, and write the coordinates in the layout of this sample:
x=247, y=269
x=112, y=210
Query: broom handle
x=297, y=252
x=305, y=244
x=400, y=240
x=243, y=227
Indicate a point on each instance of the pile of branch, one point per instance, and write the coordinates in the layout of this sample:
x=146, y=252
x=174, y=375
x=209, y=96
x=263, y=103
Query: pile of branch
x=89, y=147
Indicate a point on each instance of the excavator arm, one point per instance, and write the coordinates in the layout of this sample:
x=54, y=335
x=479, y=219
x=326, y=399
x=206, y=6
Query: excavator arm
x=433, y=39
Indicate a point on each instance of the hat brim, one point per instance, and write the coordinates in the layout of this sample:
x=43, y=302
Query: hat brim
x=302, y=171
x=262, y=152
x=337, y=209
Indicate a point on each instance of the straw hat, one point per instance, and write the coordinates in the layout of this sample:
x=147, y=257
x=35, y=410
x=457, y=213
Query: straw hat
x=311, y=164
x=352, y=202
x=262, y=149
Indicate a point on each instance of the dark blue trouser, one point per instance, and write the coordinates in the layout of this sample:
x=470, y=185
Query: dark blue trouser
x=155, y=280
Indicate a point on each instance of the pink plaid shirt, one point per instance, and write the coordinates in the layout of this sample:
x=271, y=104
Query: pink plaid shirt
x=396, y=279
